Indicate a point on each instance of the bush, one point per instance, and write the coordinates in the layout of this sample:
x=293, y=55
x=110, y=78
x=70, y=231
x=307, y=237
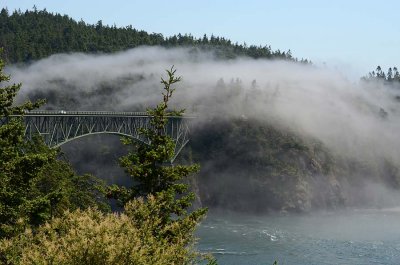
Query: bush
x=93, y=237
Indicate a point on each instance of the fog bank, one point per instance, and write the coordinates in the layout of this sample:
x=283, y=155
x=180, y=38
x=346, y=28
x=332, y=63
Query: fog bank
x=352, y=118
x=357, y=122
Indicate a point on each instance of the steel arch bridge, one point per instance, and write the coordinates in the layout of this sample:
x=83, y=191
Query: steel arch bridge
x=60, y=127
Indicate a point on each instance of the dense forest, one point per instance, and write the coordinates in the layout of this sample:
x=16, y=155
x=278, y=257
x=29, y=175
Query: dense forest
x=35, y=34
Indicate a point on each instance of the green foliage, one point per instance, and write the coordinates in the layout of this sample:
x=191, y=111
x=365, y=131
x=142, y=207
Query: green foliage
x=19, y=164
x=154, y=229
x=34, y=185
x=64, y=190
x=34, y=34
x=391, y=76
x=92, y=237
x=7, y=96
x=36, y=188
x=151, y=168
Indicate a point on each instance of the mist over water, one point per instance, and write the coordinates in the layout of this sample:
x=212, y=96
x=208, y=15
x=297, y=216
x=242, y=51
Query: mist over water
x=354, y=120
x=351, y=118
x=326, y=238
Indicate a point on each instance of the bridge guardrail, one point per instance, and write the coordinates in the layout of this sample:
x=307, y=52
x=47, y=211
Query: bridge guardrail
x=94, y=113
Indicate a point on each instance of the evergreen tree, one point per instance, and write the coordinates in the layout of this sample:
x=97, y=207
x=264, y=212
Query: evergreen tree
x=151, y=168
x=19, y=165
x=396, y=76
x=392, y=76
x=34, y=185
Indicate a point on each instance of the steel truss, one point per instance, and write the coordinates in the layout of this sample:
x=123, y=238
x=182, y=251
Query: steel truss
x=60, y=127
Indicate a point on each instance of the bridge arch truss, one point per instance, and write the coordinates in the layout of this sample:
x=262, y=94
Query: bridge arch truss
x=60, y=127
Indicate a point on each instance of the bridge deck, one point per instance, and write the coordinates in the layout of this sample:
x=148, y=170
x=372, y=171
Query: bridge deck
x=95, y=113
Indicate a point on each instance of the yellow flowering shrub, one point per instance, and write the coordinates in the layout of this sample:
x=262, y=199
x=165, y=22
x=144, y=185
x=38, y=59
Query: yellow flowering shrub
x=93, y=237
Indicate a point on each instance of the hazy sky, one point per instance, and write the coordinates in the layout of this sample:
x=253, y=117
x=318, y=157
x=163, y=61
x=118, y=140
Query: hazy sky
x=353, y=35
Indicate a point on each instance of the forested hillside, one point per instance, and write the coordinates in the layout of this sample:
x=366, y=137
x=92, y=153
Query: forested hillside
x=32, y=35
x=266, y=139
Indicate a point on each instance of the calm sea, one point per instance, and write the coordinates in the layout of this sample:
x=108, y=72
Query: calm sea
x=348, y=237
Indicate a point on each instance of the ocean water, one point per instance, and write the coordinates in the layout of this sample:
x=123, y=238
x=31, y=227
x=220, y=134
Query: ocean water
x=346, y=237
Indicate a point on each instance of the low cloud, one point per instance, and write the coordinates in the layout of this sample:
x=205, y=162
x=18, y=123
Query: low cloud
x=351, y=118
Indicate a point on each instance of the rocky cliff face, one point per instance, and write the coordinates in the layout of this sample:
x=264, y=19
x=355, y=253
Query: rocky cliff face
x=253, y=166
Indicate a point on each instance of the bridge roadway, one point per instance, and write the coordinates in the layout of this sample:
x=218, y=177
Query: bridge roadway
x=60, y=127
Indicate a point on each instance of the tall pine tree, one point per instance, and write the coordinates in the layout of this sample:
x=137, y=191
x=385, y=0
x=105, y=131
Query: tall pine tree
x=152, y=171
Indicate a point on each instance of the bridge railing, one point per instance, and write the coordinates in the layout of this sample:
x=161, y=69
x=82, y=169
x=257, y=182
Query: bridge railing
x=95, y=113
